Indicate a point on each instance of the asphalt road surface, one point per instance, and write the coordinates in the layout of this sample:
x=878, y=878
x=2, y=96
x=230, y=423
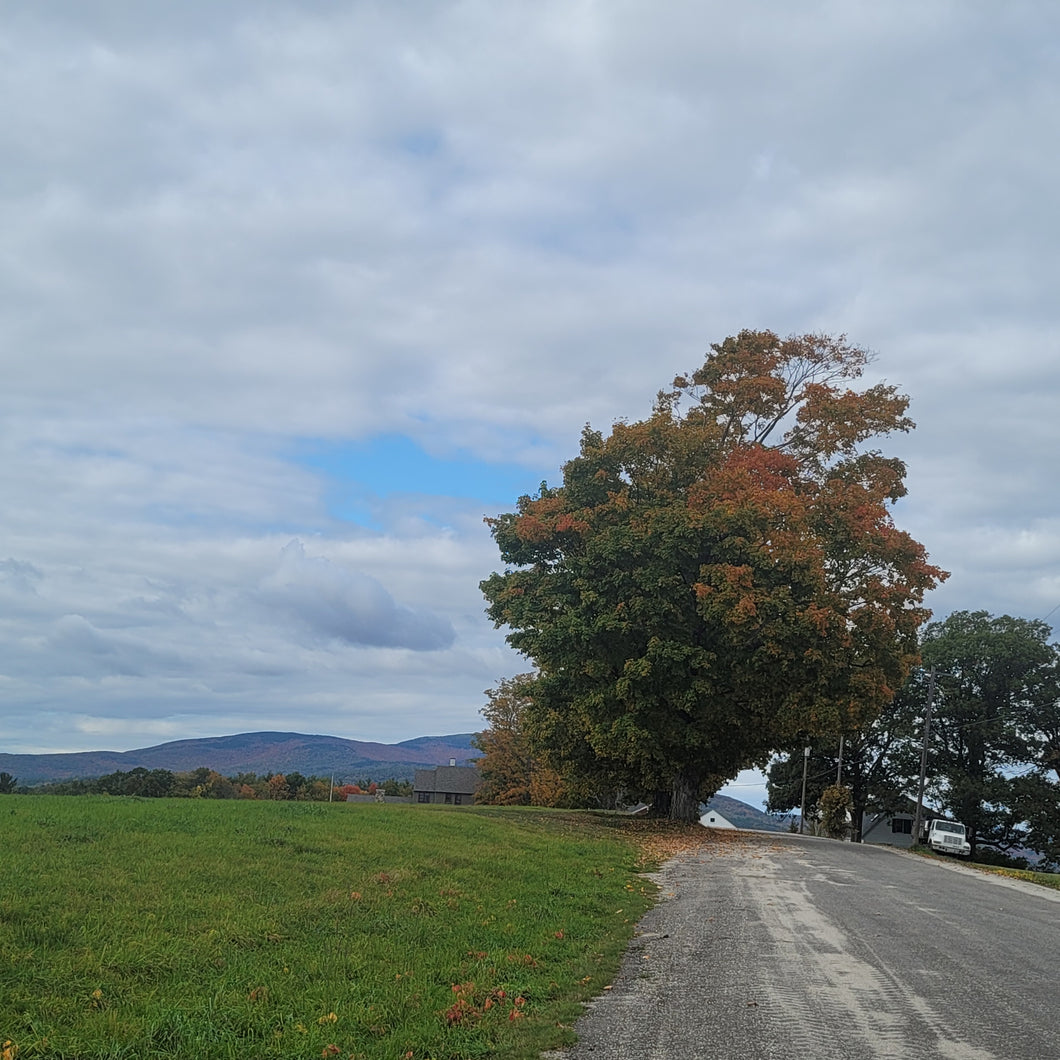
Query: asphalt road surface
x=782, y=946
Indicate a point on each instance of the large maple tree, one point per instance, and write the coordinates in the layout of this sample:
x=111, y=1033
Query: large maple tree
x=718, y=577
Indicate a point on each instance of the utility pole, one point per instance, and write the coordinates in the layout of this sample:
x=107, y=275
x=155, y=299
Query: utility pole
x=923, y=756
x=802, y=811
x=839, y=768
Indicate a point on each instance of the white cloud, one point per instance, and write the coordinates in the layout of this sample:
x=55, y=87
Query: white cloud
x=339, y=604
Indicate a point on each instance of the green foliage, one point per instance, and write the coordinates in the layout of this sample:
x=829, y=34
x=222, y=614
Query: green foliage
x=201, y=929
x=986, y=856
x=880, y=765
x=1036, y=801
x=709, y=584
x=8, y=783
x=997, y=708
x=995, y=748
x=151, y=784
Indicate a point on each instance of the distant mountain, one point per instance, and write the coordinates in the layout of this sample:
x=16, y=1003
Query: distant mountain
x=742, y=815
x=253, y=752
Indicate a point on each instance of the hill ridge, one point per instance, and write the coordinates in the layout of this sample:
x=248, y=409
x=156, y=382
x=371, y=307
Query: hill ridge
x=251, y=752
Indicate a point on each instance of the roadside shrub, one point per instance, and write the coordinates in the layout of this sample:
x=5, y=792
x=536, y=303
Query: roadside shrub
x=834, y=804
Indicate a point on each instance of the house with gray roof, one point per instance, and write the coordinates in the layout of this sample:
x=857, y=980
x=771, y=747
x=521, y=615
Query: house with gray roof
x=451, y=785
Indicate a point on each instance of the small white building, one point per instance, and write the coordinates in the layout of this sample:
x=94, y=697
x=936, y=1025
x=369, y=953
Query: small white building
x=713, y=819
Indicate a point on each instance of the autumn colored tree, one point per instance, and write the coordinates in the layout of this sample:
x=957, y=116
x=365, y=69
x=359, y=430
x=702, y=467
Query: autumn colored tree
x=719, y=579
x=512, y=773
x=215, y=786
x=835, y=806
x=277, y=787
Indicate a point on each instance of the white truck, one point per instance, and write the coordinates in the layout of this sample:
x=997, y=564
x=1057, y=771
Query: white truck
x=947, y=837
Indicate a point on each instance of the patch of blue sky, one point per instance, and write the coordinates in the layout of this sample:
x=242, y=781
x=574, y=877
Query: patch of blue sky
x=424, y=143
x=360, y=473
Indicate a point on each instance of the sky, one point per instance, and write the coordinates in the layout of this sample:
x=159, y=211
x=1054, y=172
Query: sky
x=293, y=294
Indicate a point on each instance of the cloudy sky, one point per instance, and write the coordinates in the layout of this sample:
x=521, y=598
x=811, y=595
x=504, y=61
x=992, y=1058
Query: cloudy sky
x=293, y=293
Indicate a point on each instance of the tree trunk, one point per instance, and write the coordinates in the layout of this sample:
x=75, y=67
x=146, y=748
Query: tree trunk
x=857, y=815
x=684, y=798
x=661, y=801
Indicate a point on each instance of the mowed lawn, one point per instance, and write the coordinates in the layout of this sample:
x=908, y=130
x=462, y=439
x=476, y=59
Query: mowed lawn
x=241, y=929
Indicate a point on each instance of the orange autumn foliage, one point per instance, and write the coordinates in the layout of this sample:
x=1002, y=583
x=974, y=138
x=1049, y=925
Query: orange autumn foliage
x=512, y=774
x=714, y=579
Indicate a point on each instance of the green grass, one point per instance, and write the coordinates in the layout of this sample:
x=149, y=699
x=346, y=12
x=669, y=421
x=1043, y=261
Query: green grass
x=1043, y=879
x=188, y=928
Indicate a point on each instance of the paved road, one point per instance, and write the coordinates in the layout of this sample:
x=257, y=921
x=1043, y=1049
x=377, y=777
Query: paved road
x=792, y=947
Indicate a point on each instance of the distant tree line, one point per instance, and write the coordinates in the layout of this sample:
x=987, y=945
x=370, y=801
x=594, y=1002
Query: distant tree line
x=204, y=783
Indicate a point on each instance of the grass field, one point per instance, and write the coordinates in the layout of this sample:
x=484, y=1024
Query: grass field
x=241, y=929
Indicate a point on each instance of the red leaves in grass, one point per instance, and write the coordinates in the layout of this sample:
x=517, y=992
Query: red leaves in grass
x=471, y=1006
